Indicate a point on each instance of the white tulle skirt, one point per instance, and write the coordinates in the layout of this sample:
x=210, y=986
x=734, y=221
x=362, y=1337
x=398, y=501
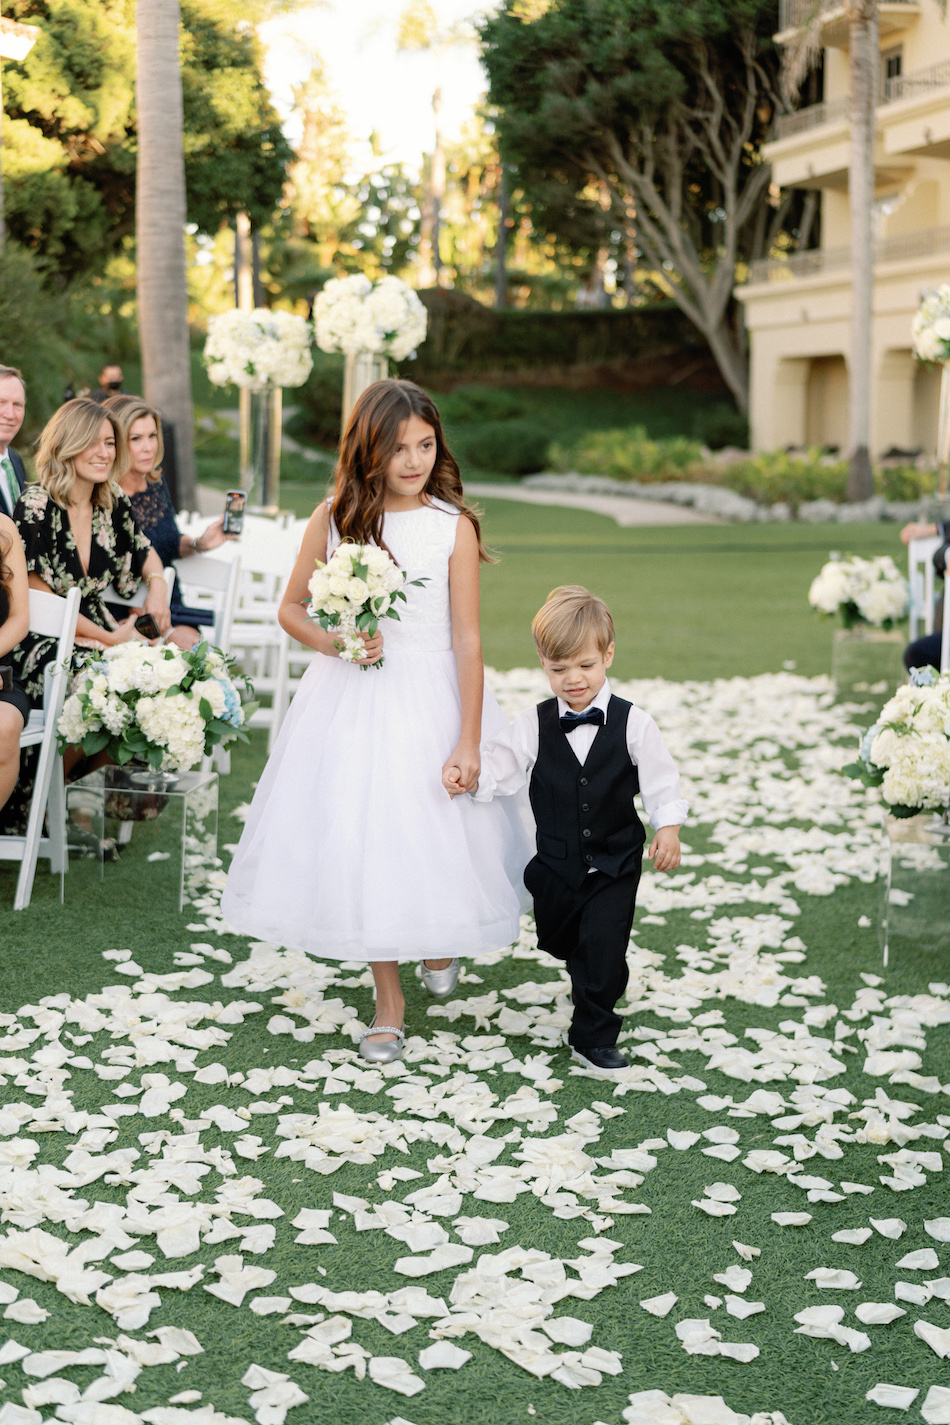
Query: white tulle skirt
x=352, y=849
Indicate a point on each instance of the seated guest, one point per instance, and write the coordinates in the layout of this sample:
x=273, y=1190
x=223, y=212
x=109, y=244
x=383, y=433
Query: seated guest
x=14, y=626
x=77, y=530
x=925, y=652
x=12, y=411
x=154, y=512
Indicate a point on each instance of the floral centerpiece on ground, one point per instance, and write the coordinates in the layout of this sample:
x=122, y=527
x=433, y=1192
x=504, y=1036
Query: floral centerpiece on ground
x=257, y=349
x=384, y=318
x=930, y=330
x=159, y=705
x=863, y=591
x=907, y=751
x=349, y=594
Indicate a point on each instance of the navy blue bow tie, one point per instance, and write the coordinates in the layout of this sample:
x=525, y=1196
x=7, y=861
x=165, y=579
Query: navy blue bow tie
x=571, y=720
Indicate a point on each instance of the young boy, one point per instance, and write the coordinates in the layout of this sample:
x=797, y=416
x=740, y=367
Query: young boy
x=584, y=755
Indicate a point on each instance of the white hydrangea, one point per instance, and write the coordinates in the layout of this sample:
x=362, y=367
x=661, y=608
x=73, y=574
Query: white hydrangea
x=339, y=594
x=912, y=746
x=260, y=348
x=871, y=590
x=354, y=315
x=930, y=329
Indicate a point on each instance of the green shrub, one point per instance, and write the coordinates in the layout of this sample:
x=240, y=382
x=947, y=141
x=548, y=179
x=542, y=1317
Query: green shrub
x=720, y=425
x=469, y=405
x=319, y=401
x=904, y=482
x=775, y=477
x=508, y=447
x=630, y=455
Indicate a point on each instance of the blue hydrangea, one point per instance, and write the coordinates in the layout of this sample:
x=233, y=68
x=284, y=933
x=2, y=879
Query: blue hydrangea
x=867, y=740
x=232, y=704
x=923, y=677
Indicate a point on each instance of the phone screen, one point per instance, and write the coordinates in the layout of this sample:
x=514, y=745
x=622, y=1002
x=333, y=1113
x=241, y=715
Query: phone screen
x=234, y=503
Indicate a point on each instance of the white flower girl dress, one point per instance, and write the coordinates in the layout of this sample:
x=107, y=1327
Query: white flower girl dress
x=352, y=849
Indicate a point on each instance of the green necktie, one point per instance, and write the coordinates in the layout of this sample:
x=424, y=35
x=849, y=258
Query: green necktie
x=13, y=484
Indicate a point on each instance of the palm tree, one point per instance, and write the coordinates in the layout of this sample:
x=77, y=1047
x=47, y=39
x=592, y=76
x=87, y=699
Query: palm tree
x=864, y=58
x=160, y=231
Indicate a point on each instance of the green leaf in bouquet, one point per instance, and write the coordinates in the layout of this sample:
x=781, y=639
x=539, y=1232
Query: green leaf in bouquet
x=124, y=754
x=154, y=757
x=392, y=613
x=206, y=710
x=94, y=742
x=360, y=571
x=903, y=813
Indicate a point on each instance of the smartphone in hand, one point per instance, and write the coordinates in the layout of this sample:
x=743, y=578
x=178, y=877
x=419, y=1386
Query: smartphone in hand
x=234, y=503
x=147, y=627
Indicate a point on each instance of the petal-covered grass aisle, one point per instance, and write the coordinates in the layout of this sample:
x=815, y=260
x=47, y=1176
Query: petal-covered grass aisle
x=212, y=1208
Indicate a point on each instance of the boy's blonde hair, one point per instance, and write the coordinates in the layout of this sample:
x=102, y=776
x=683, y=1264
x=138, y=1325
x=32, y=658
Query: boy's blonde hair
x=571, y=618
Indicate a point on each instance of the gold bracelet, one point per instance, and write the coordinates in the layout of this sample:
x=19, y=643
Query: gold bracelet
x=150, y=577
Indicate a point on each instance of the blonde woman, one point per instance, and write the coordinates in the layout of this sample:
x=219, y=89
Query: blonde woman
x=152, y=508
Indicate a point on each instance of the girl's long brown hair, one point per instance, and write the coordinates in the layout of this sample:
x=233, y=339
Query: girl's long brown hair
x=368, y=445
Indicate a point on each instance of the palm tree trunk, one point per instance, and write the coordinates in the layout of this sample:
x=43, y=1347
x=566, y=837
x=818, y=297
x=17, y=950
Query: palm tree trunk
x=865, y=59
x=160, y=231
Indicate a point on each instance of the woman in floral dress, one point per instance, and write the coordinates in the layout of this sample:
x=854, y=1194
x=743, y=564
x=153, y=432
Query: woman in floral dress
x=77, y=530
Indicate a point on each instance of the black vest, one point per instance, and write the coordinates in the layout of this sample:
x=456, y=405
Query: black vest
x=585, y=815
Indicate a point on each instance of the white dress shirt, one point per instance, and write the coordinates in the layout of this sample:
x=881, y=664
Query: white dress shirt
x=507, y=760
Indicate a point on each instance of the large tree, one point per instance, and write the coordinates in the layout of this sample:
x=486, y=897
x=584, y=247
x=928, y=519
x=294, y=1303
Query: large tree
x=70, y=127
x=160, y=231
x=660, y=110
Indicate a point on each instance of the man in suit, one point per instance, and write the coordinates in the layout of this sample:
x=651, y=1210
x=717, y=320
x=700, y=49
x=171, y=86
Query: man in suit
x=12, y=411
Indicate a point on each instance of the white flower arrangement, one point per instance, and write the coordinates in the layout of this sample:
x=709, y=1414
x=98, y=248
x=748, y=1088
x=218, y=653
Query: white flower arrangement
x=907, y=751
x=871, y=591
x=257, y=349
x=161, y=705
x=354, y=315
x=358, y=586
x=930, y=330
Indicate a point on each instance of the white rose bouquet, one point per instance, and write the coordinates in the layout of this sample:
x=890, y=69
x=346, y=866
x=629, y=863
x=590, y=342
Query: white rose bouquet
x=907, y=751
x=930, y=330
x=354, y=315
x=871, y=591
x=359, y=585
x=257, y=349
x=160, y=705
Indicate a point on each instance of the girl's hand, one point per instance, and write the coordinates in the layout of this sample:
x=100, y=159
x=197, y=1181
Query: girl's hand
x=917, y=531
x=664, y=849
x=374, y=648
x=462, y=769
x=123, y=632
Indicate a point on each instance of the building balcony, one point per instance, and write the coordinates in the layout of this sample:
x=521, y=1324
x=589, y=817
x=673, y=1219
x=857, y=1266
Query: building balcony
x=815, y=116
x=831, y=19
x=904, y=247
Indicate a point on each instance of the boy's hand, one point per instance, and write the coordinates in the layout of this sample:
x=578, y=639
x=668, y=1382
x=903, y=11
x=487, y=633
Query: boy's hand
x=664, y=849
x=452, y=782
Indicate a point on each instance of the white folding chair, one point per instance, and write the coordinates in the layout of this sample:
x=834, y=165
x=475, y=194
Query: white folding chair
x=920, y=569
x=268, y=552
x=51, y=617
x=111, y=595
x=945, y=638
x=210, y=581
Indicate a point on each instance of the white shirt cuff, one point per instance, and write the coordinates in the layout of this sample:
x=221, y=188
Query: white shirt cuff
x=669, y=814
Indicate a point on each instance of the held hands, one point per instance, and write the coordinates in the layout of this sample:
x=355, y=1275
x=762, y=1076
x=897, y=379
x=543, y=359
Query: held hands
x=373, y=650
x=664, y=849
x=461, y=770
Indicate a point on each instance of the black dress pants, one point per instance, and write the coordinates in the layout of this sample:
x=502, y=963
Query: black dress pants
x=589, y=928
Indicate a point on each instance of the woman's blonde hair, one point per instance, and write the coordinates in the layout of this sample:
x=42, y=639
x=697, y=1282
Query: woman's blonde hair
x=126, y=410
x=571, y=619
x=67, y=433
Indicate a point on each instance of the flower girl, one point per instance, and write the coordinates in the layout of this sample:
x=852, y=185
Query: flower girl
x=352, y=850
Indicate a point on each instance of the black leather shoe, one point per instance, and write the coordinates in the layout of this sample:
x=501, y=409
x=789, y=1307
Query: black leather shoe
x=606, y=1058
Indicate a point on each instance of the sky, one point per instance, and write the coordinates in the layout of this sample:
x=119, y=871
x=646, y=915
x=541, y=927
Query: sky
x=379, y=88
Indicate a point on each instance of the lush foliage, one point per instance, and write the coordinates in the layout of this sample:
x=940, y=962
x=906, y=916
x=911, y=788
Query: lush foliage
x=69, y=127
x=907, y=751
x=630, y=455
x=862, y=591
x=349, y=594
x=355, y=315
x=161, y=705
x=258, y=348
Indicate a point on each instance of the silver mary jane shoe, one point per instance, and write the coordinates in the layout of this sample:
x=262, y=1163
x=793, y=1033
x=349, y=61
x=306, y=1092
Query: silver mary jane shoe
x=382, y=1051
x=441, y=982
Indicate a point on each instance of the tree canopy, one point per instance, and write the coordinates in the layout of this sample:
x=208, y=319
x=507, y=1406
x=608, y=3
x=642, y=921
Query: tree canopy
x=638, y=124
x=70, y=127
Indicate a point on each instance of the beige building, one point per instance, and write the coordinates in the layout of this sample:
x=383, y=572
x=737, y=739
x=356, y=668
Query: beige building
x=798, y=310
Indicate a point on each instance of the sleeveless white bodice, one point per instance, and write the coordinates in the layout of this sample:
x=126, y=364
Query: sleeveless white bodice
x=421, y=541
